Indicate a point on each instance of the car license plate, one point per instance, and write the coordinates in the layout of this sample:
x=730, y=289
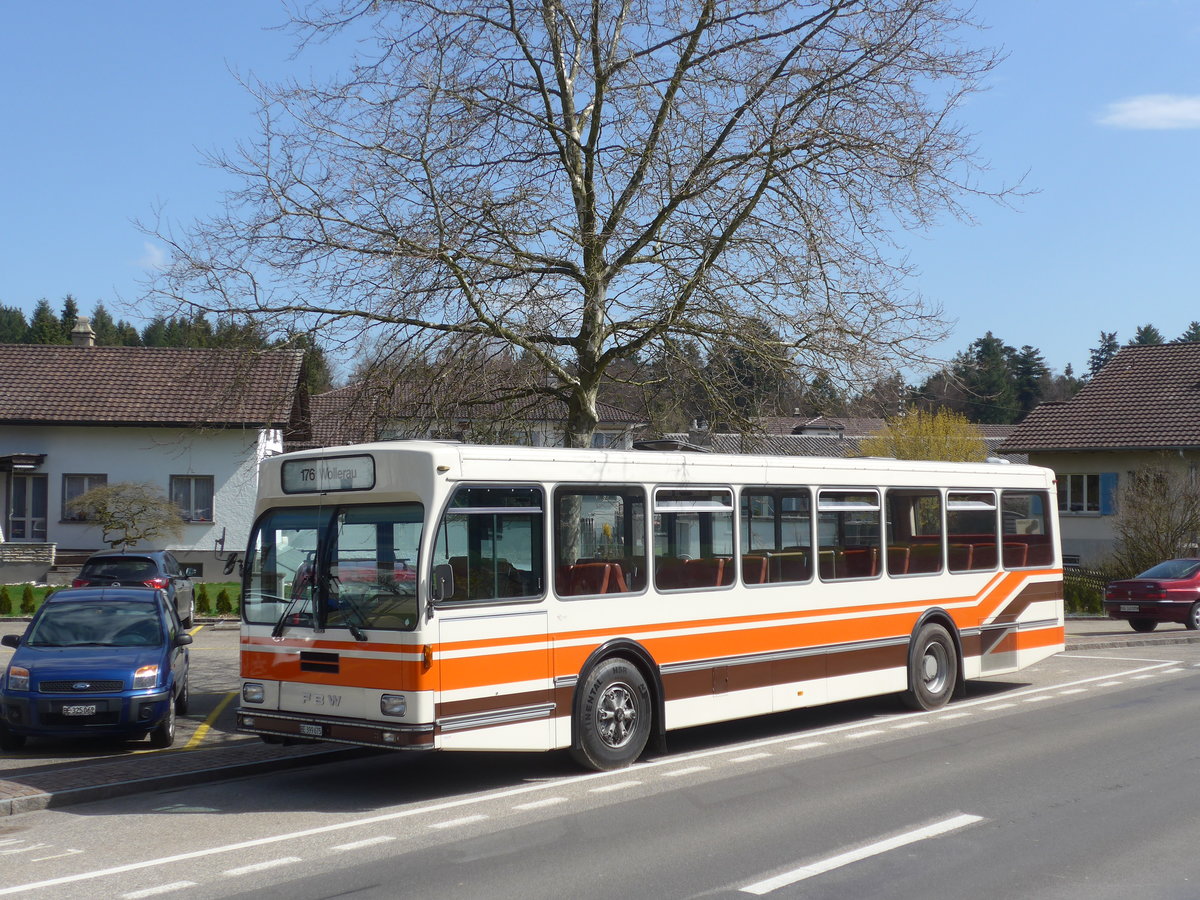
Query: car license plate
x=312, y=730
x=1130, y=607
x=79, y=710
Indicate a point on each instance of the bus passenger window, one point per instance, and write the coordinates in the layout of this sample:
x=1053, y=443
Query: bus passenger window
x=599, y=540
x=693, y=538
x=914, y=532
x=1025, y=529
x=776, y=535
x=971, y=531
x=491, y=537
x=848, y=529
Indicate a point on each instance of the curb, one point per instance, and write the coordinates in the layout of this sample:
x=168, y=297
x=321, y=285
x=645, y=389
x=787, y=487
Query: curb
x=59, y=786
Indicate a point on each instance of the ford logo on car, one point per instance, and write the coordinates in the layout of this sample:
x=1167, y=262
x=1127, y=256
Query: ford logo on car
x=81, y=685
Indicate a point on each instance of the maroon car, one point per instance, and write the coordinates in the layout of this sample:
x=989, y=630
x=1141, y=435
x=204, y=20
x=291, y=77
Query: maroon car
x=1168, y=592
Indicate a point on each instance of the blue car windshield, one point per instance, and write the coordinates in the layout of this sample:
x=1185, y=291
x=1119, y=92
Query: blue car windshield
x=100, y=623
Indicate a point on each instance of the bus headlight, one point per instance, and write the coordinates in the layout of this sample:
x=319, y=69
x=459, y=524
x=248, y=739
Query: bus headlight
x=253, y=693
x=393, y=704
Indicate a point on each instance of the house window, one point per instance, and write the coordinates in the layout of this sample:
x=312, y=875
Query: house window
x=75, y=486
x=1079, y=493
x=193, y=494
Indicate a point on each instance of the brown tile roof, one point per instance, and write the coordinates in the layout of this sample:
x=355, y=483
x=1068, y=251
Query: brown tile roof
x=67, y=385
x=1145, y=398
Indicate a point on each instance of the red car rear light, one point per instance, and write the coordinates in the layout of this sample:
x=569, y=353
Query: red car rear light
x=160, y=583
x=79, y=582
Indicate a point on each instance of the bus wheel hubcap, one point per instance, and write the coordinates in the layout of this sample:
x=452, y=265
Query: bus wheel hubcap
x=618, y=715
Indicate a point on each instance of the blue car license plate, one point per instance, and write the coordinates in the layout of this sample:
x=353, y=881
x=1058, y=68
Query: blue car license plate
x=79, y=709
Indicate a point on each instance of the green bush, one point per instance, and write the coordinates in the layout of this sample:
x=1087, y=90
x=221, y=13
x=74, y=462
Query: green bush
x=203, y=604
x=224, y=606
x=27, y=604
x=5, y=601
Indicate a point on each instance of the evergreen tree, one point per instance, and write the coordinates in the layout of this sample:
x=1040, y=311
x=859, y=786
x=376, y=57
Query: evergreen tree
x=5, y=601
x=44, y=326
x=1030, y=378
x=127, y=335
x=985, y=370
x=104, y=326
x=13, y=327
x=155, y=332
x=1192, y=333
x=1099, y=356
x=68, y=317
x=28, y=607
x=1148, y=334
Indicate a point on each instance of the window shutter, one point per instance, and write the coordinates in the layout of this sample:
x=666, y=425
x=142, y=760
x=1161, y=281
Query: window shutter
x=1108, y=493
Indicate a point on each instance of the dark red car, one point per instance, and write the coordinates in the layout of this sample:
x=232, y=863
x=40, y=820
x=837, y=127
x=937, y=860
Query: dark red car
x=1168, y=592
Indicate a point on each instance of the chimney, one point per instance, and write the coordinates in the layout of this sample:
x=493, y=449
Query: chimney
x=82, y=334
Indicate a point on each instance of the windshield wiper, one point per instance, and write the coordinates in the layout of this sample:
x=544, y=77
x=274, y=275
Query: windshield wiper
x=358, y=633
x=277, y=631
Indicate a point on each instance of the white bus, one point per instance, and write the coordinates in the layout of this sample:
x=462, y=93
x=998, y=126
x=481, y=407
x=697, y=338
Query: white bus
x=439, y=595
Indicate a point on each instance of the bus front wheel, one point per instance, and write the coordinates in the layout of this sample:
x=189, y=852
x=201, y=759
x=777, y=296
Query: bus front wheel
x=932, y=668
x=612, y=717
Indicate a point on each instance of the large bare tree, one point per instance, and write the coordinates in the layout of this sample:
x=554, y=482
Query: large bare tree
x=588, y=182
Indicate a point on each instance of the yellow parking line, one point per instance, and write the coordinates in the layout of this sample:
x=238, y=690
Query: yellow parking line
x=196, y=630
x=208, y=723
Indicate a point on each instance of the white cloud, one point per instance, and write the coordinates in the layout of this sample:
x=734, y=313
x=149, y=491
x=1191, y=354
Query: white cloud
x=152, y=257
x=1154, y=112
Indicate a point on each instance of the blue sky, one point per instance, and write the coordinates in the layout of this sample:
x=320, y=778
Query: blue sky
x=109, y=107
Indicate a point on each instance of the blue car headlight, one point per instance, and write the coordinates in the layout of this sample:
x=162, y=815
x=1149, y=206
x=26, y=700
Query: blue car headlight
x=145, y=677
x=18, y=678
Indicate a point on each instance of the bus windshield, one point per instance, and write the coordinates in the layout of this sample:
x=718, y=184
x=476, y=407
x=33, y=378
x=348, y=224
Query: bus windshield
x=350, y=567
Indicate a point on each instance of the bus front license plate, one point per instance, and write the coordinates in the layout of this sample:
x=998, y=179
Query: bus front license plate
x=1130, y=607
x=312, y=730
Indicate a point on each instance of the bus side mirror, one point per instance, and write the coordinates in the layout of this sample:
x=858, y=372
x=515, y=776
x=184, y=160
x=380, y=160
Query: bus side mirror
x=443, y=581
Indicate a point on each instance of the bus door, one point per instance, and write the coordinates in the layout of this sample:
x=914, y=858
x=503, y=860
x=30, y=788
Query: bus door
x=493, y=651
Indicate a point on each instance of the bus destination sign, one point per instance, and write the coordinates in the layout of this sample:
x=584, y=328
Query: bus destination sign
x=335, y=473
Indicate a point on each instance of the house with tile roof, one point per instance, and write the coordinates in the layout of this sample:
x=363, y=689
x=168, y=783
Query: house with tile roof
x=366, y=412
x=1142, y=409
x=192, y=422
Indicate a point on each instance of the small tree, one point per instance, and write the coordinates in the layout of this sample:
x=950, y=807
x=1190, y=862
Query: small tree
x=5, y=601
x=1158, y=517
x=942, y=434
x=129, y=512
x=203, y=605
x=224, y=605
x=27, y=605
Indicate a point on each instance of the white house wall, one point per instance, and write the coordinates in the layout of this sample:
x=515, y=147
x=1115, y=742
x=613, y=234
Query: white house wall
x=151, y=455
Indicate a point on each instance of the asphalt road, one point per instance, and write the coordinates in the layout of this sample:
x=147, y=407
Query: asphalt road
x=1071, y=780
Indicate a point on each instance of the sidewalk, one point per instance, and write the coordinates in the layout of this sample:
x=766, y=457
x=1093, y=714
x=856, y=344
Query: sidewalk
x=63, y=783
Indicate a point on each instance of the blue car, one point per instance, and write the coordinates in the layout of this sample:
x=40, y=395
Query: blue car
x=96, y=661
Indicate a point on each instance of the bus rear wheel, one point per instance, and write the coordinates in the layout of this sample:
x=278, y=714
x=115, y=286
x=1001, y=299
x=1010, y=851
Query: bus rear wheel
x=612, y=717
x=932, y=669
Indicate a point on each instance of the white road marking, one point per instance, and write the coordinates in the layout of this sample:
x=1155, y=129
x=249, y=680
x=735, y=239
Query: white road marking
x=688, y=771
x=807, y=746
x=457, y=823
x=915, y=723
x=748, y=757
x=538, y=804
x=366, y=842
x=1072, y=691
x=262, y=866
x=619, y=786
x=56, y=855
x=998, y=706
x=856, y=735
x=954, y=715
x=1040, y=698
x=802, y=873
x=161, y=889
